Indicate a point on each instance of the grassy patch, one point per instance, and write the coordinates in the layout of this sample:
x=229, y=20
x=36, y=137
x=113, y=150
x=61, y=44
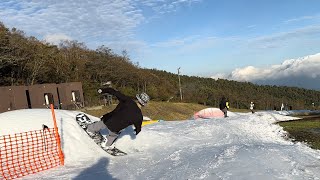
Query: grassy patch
x=307, y=131
x=159, y=110
x=163, y=110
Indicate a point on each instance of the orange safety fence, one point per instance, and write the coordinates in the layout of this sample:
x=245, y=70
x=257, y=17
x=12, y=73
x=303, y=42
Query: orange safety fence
x=27, y=153
x=61, y=156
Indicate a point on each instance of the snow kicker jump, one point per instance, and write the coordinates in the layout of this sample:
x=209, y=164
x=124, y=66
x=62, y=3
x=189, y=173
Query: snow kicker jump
x=83, y=120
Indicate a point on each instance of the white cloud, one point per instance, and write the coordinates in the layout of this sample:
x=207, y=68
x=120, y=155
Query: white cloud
x=284, y=38
x=198, y=44
x=308, y=66
x=56, y=38
x=251, y=26
x=178, y=42
x=303, y=18
x=245, y=74
x=219, y=76
x=292, y=72
x=166, y=6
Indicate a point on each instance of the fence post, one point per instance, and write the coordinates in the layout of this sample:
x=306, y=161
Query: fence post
x=61, y=156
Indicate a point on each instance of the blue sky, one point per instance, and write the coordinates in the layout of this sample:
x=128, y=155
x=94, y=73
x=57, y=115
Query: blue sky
x=208, y=38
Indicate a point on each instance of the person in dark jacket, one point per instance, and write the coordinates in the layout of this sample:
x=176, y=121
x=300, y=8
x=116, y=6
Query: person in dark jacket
x=126, y=113
x=252, y=107
x=223, y=106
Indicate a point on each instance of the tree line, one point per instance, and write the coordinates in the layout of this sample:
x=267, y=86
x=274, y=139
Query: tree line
x=26, y=61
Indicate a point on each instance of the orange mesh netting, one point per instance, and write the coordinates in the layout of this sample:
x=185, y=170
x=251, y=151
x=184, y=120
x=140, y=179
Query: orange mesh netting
x=28, y=153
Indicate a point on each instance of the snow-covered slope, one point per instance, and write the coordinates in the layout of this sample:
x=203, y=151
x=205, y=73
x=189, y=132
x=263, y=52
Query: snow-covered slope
x=242, y=146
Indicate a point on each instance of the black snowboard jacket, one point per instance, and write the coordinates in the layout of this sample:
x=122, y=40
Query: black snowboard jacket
x=223, y=103
x=125, y=114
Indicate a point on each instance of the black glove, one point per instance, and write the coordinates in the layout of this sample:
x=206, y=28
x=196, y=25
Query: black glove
x=136, y=132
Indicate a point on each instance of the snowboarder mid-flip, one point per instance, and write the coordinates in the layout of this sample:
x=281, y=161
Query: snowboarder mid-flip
x=126, y=113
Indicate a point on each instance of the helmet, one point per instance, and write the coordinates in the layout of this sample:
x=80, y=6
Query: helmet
x=143, y=98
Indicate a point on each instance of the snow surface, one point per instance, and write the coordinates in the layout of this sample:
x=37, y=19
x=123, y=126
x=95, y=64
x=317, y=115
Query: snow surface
x=242, y=146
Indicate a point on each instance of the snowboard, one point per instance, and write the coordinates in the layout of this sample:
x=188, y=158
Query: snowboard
x=83, y=120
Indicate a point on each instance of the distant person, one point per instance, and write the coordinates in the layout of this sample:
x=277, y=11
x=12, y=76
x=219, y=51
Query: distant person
x=127, y=113
x=223, y=106
x=282, y=107
x=227, y=105
x=252, y=107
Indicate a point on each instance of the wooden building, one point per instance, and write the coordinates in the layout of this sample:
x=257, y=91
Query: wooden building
x=62, y=96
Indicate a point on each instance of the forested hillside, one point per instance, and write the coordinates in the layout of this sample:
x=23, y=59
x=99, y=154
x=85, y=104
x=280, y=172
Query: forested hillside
x=26, y=61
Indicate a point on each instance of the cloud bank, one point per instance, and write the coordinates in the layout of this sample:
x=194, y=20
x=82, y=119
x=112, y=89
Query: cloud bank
x=302, y=72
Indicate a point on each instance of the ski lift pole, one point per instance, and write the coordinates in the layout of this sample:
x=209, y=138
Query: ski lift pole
x=180, y=84
x=61, y=156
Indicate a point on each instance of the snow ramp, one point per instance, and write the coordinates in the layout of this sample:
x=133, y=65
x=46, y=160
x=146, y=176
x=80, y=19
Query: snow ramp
x=208, y=113
x=75, y=143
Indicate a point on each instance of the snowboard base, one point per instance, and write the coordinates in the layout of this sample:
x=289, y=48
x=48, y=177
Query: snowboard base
x=83, y=120
x=115, y=151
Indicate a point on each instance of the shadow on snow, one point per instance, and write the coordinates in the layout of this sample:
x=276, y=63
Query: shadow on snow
x=96, y=171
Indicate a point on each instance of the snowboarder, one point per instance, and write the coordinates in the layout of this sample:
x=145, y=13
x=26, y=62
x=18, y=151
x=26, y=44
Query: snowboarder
x=252, y=107
x=223, y=106
x=127, y=113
